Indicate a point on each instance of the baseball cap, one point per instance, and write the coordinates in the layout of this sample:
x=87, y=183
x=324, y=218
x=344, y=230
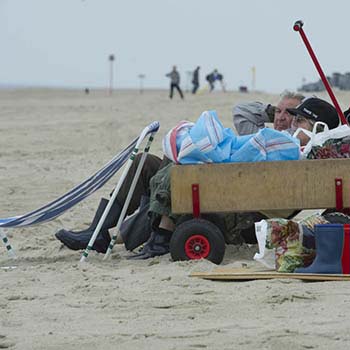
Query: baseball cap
x=317, y=110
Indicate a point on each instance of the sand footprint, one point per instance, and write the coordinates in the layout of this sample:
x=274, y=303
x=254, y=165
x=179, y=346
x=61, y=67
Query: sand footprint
x=4, y=344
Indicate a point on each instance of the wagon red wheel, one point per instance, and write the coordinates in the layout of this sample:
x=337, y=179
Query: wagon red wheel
x=197, y=239
x=197, y=247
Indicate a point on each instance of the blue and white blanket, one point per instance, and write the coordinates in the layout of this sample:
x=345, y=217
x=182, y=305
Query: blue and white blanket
x=207, y=141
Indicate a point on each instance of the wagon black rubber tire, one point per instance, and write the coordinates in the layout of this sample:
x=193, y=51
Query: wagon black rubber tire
x=198, y=227
x=337, y=218
x=216, y=219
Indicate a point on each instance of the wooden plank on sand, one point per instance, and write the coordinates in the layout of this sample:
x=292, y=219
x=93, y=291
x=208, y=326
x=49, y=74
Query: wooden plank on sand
x=232, y=187
x=233, y=274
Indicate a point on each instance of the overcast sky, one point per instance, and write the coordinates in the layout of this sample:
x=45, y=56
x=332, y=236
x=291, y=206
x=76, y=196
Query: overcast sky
x=67, y=42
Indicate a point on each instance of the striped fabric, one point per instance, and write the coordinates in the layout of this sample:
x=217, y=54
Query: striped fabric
x=208, y=141
x=268, y=145
x=176, y=138
x=77, y=194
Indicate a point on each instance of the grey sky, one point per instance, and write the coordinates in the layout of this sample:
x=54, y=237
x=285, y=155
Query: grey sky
x=67, y=42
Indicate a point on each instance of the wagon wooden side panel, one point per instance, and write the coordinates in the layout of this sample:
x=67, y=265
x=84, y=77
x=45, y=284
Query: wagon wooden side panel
x=235, y=187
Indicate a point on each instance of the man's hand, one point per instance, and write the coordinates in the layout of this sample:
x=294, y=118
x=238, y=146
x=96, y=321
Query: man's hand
x=270, y=111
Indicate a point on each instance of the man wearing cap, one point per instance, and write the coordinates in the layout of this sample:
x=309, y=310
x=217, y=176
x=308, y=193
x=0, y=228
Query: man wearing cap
x=310, y=111
x=292, y=112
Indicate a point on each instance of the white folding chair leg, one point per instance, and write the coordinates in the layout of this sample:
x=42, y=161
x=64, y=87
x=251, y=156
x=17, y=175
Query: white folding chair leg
x=126, y=204
x=117, y=189
x=7, y=244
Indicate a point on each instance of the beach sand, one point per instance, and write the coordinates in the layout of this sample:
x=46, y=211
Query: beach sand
x=50, y=140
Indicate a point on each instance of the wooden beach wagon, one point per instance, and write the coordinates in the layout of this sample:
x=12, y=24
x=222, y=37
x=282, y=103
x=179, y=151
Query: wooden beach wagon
x=248, y=187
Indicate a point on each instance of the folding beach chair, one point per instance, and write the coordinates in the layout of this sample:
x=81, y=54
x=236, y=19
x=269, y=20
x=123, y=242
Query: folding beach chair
x=60, y=205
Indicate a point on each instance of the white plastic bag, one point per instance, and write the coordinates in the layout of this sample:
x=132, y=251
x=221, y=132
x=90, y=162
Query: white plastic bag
x=265, y=256
x=318, y=139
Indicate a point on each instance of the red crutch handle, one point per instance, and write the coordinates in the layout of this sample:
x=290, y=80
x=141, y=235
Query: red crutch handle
x=298, y=27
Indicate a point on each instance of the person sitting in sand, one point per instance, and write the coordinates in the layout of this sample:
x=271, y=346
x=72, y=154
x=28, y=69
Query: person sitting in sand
x=153, y=165
x=305, y=115
x=77, y=240
x=247, y=117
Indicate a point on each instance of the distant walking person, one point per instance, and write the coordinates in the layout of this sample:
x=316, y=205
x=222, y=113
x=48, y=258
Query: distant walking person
x=195, y=80
x=174, y=82
x=212, y=77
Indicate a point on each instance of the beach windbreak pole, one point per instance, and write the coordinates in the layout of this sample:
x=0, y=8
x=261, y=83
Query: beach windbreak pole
x=298, y=27
x=7, y=244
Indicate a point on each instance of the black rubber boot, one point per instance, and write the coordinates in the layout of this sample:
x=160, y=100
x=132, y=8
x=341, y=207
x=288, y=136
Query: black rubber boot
x=100, y=209
x=79, y=239
x=157, y=245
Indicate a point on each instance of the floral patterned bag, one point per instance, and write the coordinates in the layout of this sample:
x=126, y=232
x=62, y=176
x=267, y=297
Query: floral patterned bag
x=333, y=148
x=291, y=241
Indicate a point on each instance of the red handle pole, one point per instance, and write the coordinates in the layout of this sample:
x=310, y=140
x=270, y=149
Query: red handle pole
x=298, y=27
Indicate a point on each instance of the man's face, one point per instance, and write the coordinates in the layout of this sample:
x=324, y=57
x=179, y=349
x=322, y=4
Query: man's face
x=301, y=122
x=283, y=119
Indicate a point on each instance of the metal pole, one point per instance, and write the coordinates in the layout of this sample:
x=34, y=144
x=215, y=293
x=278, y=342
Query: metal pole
x=253, y=77
x=298, y=27
x=188, y=78
x=111, y=60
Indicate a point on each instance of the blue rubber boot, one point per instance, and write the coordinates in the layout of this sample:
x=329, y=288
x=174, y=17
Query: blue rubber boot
x=332, y=250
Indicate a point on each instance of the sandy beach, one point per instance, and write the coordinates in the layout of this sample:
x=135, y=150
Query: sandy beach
x=50, y=140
